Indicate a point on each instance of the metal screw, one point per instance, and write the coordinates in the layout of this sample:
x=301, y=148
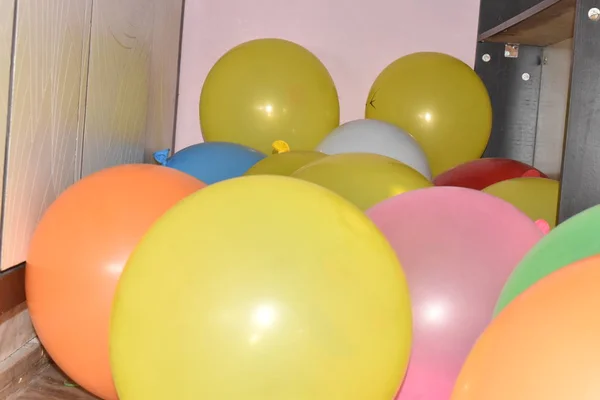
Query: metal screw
x=525, y=76
x=594, y=14
x=486, y=58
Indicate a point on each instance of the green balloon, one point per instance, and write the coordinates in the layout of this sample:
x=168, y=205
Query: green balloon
x=573, y=240
x=284, y=163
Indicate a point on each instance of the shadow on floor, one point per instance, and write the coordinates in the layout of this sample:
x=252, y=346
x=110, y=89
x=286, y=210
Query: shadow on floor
x=51, y=384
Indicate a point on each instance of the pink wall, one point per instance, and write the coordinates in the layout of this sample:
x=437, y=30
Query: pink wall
x=354, y=39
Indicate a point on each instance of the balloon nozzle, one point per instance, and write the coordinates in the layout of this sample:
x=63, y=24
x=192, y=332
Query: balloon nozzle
x=532, y=173
x=280, y=146
x=543, y=225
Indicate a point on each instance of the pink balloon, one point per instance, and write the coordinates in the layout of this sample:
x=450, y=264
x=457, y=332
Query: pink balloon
x=457, y=247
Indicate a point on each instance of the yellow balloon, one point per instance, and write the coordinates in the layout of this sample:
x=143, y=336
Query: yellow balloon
x=269, y=90
x=284, y=163
x=261, y=288
x=440, y=101
x=536, y=197
x=363, y=179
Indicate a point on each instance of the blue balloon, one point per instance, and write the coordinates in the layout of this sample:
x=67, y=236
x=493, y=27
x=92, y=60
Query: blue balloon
x=211, y=162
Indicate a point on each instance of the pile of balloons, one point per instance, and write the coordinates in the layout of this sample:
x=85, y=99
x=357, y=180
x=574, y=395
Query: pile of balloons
x=290, y=257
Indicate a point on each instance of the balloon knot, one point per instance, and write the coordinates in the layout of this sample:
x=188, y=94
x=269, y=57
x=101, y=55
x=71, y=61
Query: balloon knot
x=543, y=226
x=162, y=156
x=280, y=146
x=531, y=173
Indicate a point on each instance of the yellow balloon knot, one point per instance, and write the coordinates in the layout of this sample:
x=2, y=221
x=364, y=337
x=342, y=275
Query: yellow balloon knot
x=280, y=146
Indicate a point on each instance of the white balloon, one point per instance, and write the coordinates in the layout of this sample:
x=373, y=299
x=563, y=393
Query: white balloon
x=373, y=136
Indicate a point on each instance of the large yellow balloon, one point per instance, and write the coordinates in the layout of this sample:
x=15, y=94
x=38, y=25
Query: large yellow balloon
x=267, y=90
x=536, y=197
x=363, y=179
x=261, y=288
x=440, y=101
x=284, y=163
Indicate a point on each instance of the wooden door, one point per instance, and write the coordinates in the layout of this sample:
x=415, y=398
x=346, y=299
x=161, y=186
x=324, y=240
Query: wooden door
x=93, y=85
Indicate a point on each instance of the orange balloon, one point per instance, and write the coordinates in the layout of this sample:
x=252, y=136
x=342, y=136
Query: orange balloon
x=76, y=257
x=544, y=345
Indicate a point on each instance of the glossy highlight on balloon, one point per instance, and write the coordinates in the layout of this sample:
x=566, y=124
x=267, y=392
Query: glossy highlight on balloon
x=457, y=247
x=266, y=90
x=276, y=289
x=362, y=178
x=544, y=345
x=440, y=100
x=76, y=256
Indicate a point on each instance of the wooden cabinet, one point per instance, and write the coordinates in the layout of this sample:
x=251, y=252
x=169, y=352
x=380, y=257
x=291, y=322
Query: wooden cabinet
x=565, y=98
x=46, y=126
x=84, y=85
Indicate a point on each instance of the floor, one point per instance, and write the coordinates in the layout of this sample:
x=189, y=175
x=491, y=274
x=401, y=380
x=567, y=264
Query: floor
x=51, y=384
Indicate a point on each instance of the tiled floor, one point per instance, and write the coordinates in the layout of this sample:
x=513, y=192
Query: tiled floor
x=50, y=384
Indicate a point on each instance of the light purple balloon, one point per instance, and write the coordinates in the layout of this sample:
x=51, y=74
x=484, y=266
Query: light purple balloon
x=457, y=247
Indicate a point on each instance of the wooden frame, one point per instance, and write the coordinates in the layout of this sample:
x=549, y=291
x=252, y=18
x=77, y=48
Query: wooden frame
x=581, y=161
x=545, y=23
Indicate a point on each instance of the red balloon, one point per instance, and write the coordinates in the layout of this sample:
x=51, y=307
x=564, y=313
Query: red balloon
x=481, y=173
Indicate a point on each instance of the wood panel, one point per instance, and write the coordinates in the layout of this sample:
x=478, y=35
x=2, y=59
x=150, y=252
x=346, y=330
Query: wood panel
x=92, y=88
x=554, y=95
x=547, y=22
x=7, y=15
x=164, y=76
x=21, y=369
x=580, y=187
x=118, y=83
x=494, y=12
x=514, y=99
x=133, y=80
x=51, y=384
x=12, y=291
x=45, y=122
x=15, y=332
